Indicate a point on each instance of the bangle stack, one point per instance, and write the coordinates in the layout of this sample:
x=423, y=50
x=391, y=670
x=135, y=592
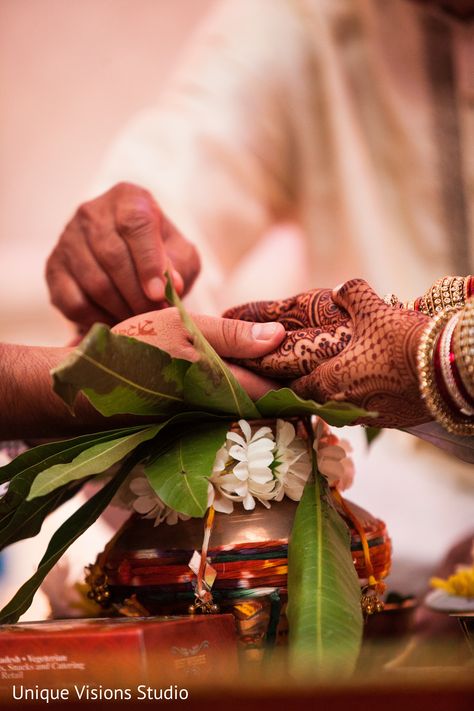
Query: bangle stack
x=451, y=291
x=442, y=386
x=463, y=347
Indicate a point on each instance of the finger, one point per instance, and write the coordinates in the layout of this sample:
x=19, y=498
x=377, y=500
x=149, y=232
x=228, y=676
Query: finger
x=301, y=352
x=91, y=278
x=255, y=385
x=315, y=308
x=138, y=222
x=240, y=339
x=182, y=257
x=262, y=310
x=360, y=301
x=114, y=257
x=68, y=297
x=326, y=382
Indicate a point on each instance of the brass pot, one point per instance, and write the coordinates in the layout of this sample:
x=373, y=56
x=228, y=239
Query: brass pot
x=144, y=569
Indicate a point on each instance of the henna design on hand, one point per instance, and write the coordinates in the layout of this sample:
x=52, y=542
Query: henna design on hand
x=378, y=369
x=301, y=352
x=141, y=328
x=311, y=309
x=317, y=328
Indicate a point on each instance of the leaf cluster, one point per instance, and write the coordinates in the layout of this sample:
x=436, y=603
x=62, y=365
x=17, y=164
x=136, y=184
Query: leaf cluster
x=187, y=409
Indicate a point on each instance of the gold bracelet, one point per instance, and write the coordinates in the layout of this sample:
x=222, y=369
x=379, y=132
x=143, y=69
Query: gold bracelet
x=446, y=369
x=428, y=387
x=450, y=291
x=463, y=346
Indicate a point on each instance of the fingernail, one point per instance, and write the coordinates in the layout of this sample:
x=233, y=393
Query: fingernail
x=155, y=289
x=264, y=331
x=177, y=280
x=336, y=288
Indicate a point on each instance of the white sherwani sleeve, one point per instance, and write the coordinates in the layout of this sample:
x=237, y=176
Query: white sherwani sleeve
x=216, y=153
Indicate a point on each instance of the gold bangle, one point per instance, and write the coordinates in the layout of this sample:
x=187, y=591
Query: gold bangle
x=450, y=291
x=428, y=387
x=463, y=346
x=446, y=373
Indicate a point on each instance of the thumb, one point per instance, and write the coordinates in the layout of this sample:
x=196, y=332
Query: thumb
x=358, y=299
x=240, y=339
x=325, y=382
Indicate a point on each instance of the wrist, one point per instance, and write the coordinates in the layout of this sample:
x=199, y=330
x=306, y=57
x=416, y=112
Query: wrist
x=30, y=408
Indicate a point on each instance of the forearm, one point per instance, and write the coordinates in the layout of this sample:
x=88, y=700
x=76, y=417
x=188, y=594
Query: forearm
x=29, y=407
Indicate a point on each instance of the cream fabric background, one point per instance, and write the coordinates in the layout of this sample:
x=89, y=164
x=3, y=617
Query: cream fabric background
x=71, y=74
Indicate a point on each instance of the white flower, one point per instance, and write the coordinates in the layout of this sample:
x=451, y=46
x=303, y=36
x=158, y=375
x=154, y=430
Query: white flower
x=332, y=454
x=125, y=497
x=251, y=478
x=293, y=465
x=254, y=453
x=149, y=505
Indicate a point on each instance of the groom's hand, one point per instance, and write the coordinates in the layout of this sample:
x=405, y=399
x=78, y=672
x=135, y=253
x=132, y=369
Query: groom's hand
x=317, y=329
x=230, y=338
x=110, y=260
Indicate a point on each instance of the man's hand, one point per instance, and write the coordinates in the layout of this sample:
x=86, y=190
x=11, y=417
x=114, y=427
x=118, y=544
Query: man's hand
x=317, y=329
x=110, y=260
x=230, y=338
x=30, y=408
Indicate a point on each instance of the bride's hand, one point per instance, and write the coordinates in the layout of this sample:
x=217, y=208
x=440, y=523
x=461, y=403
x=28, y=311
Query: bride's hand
x=378, y=370
x=317, y=329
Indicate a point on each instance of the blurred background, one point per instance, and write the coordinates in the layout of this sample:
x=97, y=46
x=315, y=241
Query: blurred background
x=71, y=75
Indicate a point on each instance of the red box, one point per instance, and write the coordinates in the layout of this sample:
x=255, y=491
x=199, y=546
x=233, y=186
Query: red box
x=89, y=656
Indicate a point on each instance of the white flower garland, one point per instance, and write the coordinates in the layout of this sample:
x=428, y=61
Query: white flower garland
x=250, y=467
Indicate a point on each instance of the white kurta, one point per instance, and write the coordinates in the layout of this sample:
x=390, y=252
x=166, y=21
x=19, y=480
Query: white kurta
x=352, y=123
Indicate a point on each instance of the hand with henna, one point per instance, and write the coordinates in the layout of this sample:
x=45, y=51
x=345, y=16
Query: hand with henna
x=346, y=345
x=317, y=329
x=378, y=370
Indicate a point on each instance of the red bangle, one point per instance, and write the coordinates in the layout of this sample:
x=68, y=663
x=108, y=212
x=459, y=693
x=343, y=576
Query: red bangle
x=469, y=287
x=447, y=375
x=418, y=303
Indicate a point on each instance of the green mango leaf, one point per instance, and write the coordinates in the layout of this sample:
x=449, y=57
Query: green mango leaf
x=22, y=470
x=324, y=612
x=120, y=375
x=90, y=462
x=180, y=475
x=27, y=519
x=371, y=433
x=209, y=383
x=66, y=534
x=285, y=403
